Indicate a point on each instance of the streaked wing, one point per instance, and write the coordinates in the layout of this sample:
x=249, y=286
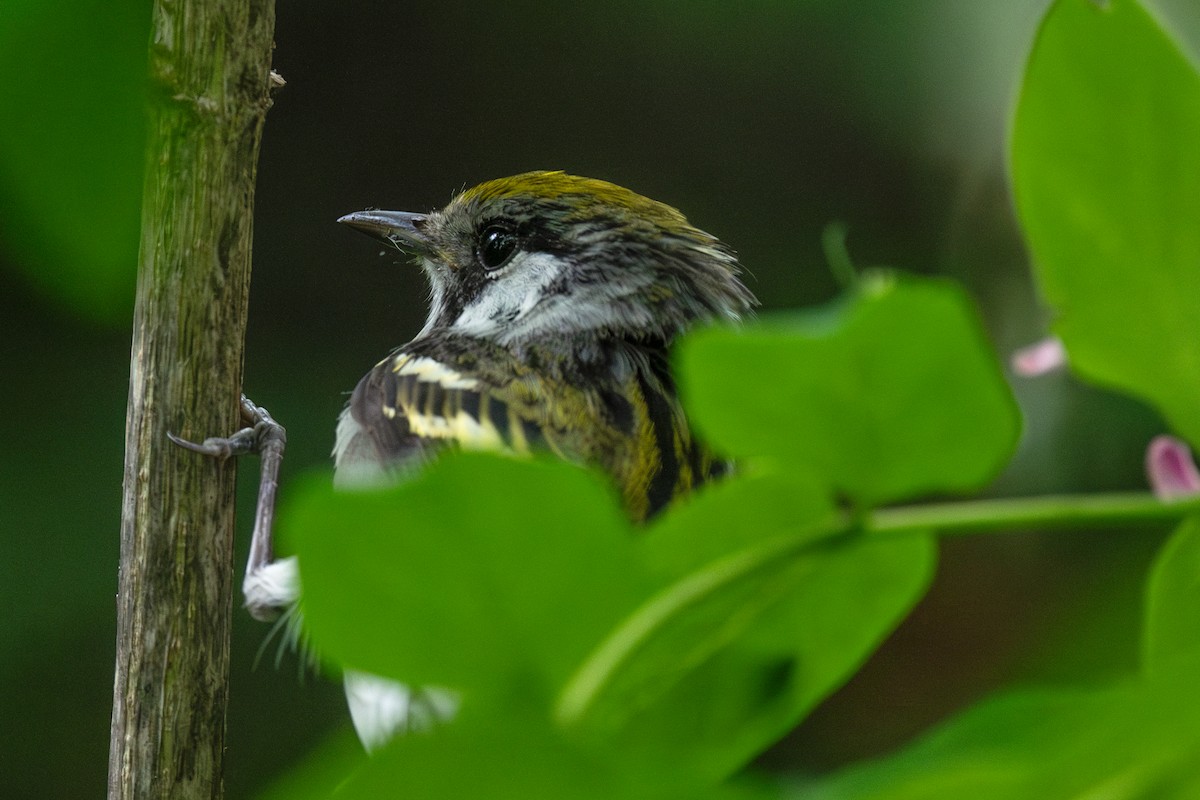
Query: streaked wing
x=409, y=406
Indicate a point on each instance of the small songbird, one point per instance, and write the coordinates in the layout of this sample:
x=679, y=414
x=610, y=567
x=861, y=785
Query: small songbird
x=553, y=302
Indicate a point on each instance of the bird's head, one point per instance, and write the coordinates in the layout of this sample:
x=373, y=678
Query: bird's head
x=543, y=255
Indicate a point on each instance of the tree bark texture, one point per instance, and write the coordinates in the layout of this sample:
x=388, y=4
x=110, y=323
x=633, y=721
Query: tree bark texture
x=210, y=90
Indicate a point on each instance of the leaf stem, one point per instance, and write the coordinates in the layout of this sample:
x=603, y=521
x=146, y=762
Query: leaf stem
x=1051, y=511
x=833, y=242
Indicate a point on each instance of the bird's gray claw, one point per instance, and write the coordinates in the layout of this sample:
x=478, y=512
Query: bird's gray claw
x=264, y=433
x=242, y=442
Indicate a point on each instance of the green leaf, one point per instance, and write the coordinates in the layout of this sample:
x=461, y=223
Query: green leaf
x=728, y=517
x=698, y=642
x=480, y=571
x=1105, y=169
x=509, y=755
x=519, y=756
x=1173, y=600
x=1127, y=742
x=725, y=660
x=892, y=394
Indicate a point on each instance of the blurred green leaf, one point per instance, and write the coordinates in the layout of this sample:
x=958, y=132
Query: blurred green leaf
x=719, y=665
x=480, y=571
x=520, y=756
x=71, y=148
x=1173, y=600
x=1105, y=169
x=892, y=394
x=1138, y=740
x=732, y=515
x=697, y=643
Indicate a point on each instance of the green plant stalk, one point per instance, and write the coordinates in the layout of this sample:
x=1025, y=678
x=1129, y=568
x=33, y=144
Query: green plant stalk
x=1051, y=511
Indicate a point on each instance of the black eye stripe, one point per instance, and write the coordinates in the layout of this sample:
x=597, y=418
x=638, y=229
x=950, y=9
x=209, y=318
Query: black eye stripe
x=498, y=243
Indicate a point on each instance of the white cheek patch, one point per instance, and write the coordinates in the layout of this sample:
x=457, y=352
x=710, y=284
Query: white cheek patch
x=593, y=310
x=509, y=296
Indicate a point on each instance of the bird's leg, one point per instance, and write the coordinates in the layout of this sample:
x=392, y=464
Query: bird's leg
x=269, y=585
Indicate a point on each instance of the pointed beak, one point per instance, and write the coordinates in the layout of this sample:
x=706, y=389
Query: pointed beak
x=400, y=229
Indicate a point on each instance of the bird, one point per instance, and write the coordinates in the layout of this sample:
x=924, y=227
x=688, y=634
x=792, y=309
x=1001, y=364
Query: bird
x=554, y=300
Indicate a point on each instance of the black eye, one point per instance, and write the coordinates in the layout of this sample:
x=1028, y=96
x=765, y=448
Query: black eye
x=497, y=244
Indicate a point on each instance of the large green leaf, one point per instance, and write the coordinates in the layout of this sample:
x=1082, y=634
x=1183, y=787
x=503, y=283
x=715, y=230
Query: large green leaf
x=699, y=641
x=522, y=756
x=1105, y=168
x=1173, y=601
x=511, y=754
x=721, y=663
x=890, y=395
x=480, y=571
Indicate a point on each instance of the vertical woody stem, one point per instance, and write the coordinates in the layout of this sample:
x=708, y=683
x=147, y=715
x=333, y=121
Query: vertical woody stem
x=210, y=80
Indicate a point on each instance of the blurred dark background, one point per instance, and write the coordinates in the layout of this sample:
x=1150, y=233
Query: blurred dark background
x=764, y=121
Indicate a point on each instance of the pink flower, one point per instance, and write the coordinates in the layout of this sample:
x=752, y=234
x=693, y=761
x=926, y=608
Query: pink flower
x=1170, y=468
x=1045, y=356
